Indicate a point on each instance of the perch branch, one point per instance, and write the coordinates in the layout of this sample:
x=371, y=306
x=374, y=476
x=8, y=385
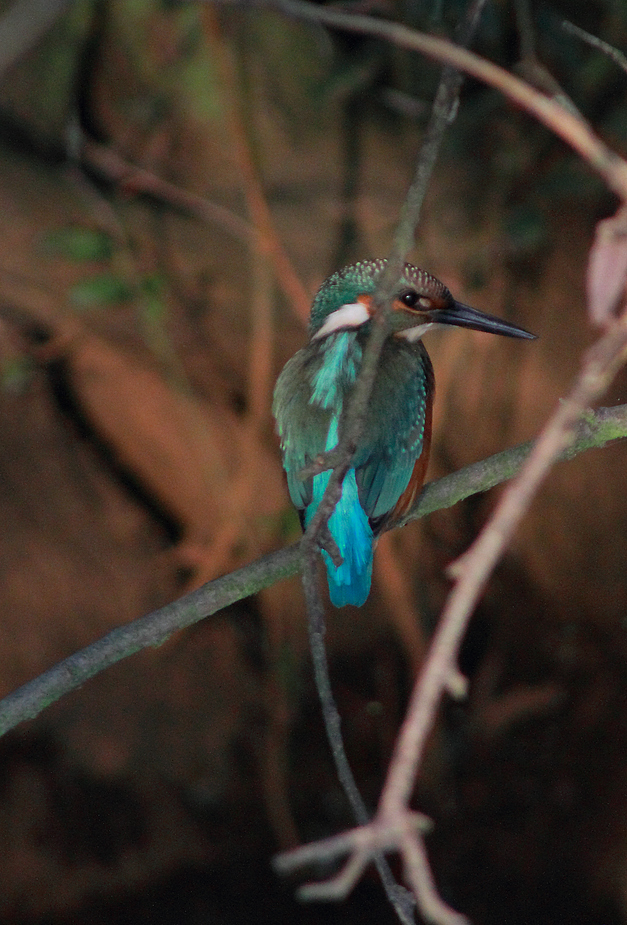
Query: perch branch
x=595, y=430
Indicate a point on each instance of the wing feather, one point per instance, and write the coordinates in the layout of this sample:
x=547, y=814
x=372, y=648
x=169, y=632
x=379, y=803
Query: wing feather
x=394, y=428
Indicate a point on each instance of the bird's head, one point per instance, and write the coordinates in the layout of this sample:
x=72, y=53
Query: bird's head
x=345, y=302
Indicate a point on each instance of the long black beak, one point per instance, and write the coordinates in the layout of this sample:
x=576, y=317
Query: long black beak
x=463, y=316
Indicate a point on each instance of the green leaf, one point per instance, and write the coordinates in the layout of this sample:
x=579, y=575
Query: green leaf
x=78, y=244
x=104, y=289
x=15, y=374
x=526, y=229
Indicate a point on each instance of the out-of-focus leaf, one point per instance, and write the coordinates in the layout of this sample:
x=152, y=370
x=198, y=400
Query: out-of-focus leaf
x=15, y=374
x=153, y=289
x=607, y=268
x=526, y=229
x=22, y=24
x=39, y=86
x=79, y=244
x=294, y=57
x=196, y=84
x=104, y=289
x=153, y=308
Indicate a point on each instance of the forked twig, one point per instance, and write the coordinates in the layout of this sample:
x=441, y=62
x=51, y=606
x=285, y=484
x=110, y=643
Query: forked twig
x=472, y=570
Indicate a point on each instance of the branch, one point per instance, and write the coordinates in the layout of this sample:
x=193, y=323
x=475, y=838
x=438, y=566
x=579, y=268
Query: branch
x=318, y=534
x=617, y=56
x=401, y=899
x=594, y=430
x=339, y=459
x=394, y=822
x=572, y=129
x=28, y=701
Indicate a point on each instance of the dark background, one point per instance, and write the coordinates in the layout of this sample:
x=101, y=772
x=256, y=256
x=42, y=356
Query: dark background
x=138, y=348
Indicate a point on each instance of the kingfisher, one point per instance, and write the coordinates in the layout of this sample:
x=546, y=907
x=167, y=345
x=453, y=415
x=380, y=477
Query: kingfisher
x=313, y=393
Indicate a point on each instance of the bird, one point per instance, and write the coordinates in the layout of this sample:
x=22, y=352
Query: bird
x=313, y=392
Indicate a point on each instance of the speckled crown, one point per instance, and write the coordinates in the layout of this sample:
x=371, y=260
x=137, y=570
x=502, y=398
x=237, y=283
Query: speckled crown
x=344, y=286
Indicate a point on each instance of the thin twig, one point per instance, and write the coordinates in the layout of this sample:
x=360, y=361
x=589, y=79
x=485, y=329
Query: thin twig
x=444, y=110
x=115, y=169
x=617, y=56
x=601, y=362
x=568, y=126
x=418, y=873
x=400, y=898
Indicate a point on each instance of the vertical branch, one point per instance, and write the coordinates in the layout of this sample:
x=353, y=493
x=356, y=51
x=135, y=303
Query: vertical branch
x=265, y=253
x=400, y=898
x=260, y=288
x=443, y=113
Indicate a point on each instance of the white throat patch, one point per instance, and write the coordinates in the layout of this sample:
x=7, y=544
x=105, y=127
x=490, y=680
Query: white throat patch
x=414, y=334
x=352, y=315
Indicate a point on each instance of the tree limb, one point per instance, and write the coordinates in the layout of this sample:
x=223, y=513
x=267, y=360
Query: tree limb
x=595, y=430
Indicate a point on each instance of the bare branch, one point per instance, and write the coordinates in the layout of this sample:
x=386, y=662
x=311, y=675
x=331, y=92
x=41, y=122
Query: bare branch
x=573, y=130
x=601, y=362
x=595, y=430
x=418, y=873
x=617, y=56
x=443, y=113
x=400, y=898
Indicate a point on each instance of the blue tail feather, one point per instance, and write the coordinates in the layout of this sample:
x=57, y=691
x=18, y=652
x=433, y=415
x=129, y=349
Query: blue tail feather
x=349, y=583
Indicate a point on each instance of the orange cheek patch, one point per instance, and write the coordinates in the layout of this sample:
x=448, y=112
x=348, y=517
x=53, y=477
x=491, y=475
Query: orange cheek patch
x=367, y=301
x=406, y=500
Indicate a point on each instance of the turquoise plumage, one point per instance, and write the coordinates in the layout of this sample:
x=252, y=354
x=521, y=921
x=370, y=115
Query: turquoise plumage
x=313, y=393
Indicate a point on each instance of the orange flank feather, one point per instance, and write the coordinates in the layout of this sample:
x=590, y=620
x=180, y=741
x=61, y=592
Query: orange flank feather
x=416, y=481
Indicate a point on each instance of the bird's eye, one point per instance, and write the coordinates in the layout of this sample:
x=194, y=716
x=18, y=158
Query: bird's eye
x=409, y=298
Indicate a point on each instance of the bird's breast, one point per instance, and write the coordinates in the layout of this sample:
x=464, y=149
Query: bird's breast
x=334, y=370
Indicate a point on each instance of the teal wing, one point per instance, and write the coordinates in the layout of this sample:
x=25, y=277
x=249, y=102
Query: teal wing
x=309, y=398
x=393, y=433
x=303, y=427
x=394, y=430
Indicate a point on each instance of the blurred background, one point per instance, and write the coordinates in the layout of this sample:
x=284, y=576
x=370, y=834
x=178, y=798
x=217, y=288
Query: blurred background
x=175, y=182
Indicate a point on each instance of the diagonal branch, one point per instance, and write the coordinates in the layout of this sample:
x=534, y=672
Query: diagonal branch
x=595, y=430
x=472, y=570
x=567, y=125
